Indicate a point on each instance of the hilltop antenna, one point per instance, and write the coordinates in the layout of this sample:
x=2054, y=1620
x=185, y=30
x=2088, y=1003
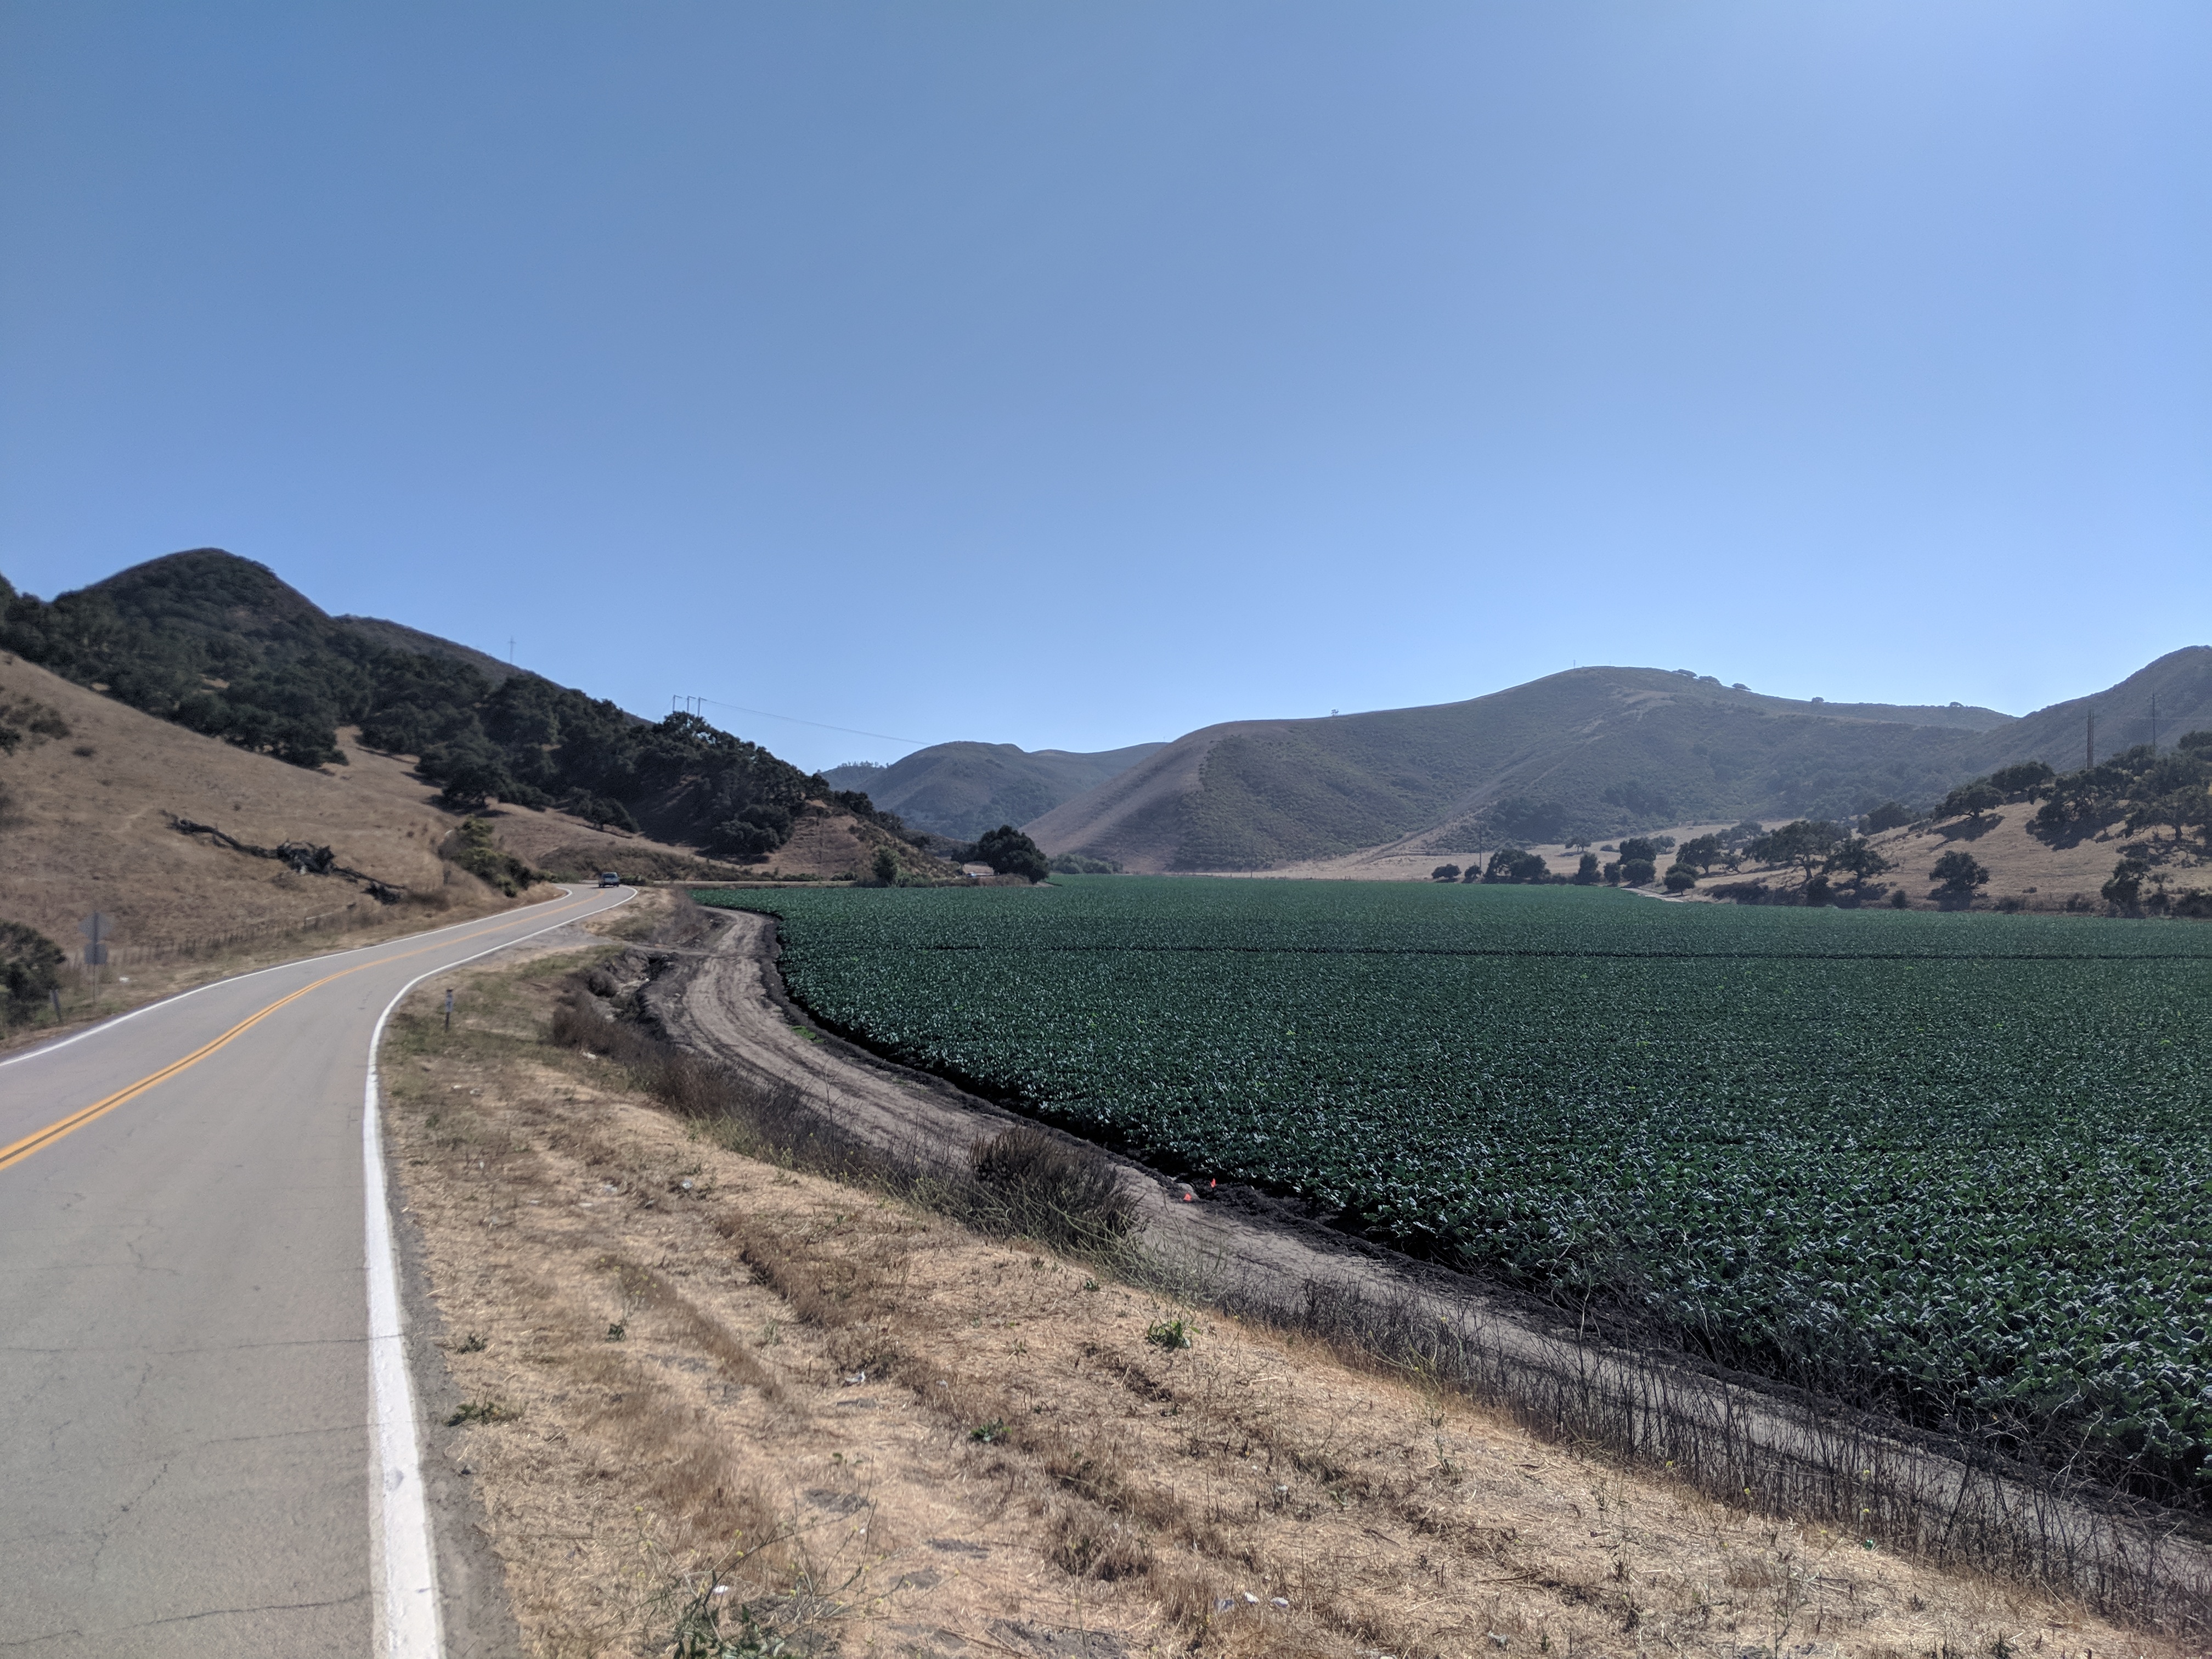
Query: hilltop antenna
x=510, y=650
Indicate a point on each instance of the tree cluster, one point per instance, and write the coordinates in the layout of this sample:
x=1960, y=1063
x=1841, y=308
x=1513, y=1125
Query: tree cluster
x=1838, y=867
x=1011, y=853
x=220, y=645
x=2138, y=788
x=1517, y=865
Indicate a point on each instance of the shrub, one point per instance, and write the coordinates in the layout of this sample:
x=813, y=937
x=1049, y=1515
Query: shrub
x=885, y=867
x=736, y=838
x=1586, y=872
x=1890, y=814
x=2026, y=779
x=27, y=720
x=1053, y=1189
x=2125, y=888
x=474, y=852
x=1971, y=800
x=1898, y=901
x=1638, y=872
x=30, y=969
x=1680, y=877
x=1074, y=864
x=597, y=811
x=470, y=783
x=1444, y=872
x=1957, y=873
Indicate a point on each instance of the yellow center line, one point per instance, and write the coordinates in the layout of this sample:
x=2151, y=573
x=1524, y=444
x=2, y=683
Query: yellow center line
x=40, y=1139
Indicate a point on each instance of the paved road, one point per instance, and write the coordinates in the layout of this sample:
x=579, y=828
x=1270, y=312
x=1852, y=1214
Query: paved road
x=203, y=1450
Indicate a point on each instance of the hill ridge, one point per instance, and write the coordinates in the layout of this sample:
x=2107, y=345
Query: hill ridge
x=1600, y=750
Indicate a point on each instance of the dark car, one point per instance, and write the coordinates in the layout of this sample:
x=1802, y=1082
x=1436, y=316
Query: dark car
x=609, y=878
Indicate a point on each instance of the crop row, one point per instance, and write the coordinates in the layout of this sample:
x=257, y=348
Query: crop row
x=1968, y=1158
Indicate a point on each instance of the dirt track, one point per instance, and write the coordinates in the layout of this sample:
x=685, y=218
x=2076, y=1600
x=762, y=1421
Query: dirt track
x=727, y=999
x=720, y=993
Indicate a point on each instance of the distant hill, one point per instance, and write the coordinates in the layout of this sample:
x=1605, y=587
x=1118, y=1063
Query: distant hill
x=221, y=645
x=962, y=789
x=2179, y=684
x=1593, y=751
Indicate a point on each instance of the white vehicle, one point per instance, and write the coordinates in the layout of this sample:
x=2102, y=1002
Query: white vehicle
x=610, y=878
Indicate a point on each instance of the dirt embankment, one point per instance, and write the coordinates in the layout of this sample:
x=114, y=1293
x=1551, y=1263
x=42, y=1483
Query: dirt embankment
x=674, y=1367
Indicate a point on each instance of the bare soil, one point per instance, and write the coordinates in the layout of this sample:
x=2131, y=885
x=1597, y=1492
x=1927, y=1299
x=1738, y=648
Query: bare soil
x=685, y=1368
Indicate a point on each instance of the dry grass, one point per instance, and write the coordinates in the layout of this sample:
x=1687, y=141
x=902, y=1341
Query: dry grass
x=887, y=1433
x=87, y=827
x=2028, y=873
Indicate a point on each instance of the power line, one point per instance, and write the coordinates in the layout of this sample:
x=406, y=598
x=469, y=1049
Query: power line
x=822, y=726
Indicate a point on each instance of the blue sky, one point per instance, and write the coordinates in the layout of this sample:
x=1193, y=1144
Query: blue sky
x=1075, y=375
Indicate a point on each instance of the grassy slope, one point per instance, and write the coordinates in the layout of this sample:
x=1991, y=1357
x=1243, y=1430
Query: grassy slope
x=90, y=830
x=2180, y=682
x=1251, y=794
x=963, y=789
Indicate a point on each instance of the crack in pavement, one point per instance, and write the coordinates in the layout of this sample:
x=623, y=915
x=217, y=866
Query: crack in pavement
x=360, y=1594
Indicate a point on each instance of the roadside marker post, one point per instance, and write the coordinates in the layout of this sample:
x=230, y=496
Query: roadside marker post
x=449, y=1007
x=95, y=927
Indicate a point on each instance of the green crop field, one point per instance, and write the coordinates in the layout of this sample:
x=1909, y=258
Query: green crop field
x=1965, y=1160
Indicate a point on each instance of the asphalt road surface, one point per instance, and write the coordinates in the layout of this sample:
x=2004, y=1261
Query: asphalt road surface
x=207, y=1427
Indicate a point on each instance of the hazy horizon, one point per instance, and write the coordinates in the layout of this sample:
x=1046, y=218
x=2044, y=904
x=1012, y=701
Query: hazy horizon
x=1077, y=379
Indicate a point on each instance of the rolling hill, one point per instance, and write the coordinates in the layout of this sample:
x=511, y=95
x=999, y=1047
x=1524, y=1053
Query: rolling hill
x=222, y=646
x=1593, y=751
x=962, y=789
x=2177, y=686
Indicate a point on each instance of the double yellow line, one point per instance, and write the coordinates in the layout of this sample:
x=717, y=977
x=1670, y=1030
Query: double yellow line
x=40, y=1139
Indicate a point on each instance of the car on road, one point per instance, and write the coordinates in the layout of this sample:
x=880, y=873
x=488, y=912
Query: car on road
x=610, y=878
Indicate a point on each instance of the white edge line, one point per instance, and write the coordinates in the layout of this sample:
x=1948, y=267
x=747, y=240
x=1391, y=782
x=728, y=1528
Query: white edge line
x=274, y=968
x=406, y=1591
